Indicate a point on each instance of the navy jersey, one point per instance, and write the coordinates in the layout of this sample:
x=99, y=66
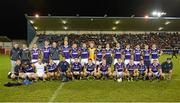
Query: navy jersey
x=117, y=53
x=131, y=67
x=84, y=53
x=98, y=54
x=46, y=52
x=74, y=53
x=137, y=54
x=127, y=53
x=76, y=66
x=155, y=53
x=15, y=54
x=29, y=69
x=35, y=53
x=25, y=54
x=66, y=51
x=63, y=65
x=119, y=67
x=155, y=67
x=146, y=54
x=54, y=52
x=51, y=67
x=108, y=52
x=103, y=67
x=141, y=67
x=90, y=67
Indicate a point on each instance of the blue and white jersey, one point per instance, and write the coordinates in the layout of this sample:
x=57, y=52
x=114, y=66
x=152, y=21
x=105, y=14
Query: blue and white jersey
x=76, y=67
x=146, y=54
x=154, y=53
x=104, y=67
x=90, y=67
x=108, y=52
x=131, y=67
x=51, y=67
x=84, y=53
x=117, y=53
x=127, y=53
x=137, y=54
x=46, y=52
x=119, y=67
x=74, y=53
x=35, y=53
x=98, y=54
x=155, y=67
x=141, y=67
x=66, y=51
x=29, y=69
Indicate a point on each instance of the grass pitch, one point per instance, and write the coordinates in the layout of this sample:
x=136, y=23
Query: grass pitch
x=92, y=90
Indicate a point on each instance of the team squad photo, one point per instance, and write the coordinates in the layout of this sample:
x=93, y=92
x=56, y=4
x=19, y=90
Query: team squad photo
x=88, y=61
x=90, y=51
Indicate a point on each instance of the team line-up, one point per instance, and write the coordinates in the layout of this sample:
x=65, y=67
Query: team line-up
x=87, y=62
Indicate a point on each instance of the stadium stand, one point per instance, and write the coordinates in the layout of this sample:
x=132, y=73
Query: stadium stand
x=163, y=40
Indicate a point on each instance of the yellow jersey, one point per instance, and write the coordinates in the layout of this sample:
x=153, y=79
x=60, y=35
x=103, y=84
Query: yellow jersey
x=92, y=53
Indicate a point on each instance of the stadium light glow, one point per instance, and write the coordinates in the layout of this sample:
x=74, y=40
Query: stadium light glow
x=37, y=16
x=160, y=28
x=35, y=27
x=64, y=22
x=167, y=22
x=117, y=22
x=114, y=28
x=32, y=22
x=65, y=27
x=146, y=16
x=158, y=13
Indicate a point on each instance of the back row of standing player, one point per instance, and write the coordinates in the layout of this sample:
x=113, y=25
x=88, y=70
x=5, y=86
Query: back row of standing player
x=84, y=53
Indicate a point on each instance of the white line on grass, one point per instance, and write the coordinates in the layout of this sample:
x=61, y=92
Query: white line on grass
x=55, y=93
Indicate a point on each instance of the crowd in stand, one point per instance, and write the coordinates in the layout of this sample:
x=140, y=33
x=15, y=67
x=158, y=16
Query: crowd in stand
x=163, y=40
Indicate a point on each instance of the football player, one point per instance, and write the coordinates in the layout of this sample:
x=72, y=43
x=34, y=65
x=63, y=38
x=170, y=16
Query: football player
x=117, y=53
x=40, y=70
x=35, y=53
x=89, y=69
x=143, y=70
x=46, y=52
x=118, y=70
x=76, y=69
x=55, y=53
x=155, y=70
x=131, y=71
x=65, y=50
x=84, y=54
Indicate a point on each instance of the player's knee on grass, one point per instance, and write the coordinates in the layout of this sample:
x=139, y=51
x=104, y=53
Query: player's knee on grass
x=22, y=75
x=45, y=76
x=13, y=76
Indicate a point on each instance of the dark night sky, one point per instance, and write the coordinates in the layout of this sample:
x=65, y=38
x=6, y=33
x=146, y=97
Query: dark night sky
x=13, y=22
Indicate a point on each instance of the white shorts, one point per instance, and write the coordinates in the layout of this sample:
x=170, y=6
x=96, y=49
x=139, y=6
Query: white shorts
x=68, y=60
x=28, y=74
x=76, y=72
x=98, y=62
x=34, y=60
x=136, y=62
x=156, y=74
x=84, y=61
x=40, y=74
x=153, y=60
x=56, y=61
x=126, y=61
x=115, y=61
x=119, y=74
x=72, y=60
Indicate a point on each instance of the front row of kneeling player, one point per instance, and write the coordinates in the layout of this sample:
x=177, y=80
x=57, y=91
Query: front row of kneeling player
x=63, y=70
